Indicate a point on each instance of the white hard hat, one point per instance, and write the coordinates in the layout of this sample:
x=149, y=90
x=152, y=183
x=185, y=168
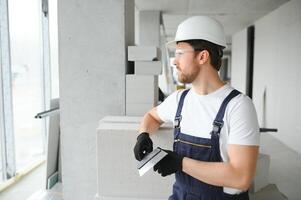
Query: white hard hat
x=200, y=28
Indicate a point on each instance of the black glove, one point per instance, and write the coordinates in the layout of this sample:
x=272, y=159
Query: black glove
x=143, y=146
x=170, y=164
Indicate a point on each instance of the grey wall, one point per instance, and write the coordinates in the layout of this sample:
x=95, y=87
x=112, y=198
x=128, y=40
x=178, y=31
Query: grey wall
x=277, y=69
x=93, y=36
x=239, y=61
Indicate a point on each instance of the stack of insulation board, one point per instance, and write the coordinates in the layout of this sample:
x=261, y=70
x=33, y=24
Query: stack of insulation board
x=142, y=87
x=117, y=173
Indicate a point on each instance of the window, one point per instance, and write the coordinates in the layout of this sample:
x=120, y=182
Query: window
x=25, y=81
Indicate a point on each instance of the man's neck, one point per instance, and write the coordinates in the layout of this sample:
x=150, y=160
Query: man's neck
x=207, y=83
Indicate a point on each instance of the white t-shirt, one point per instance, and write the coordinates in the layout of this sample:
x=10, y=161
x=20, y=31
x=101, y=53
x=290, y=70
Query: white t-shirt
x=199, y=111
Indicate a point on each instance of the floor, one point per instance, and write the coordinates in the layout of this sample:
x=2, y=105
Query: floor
x=54, y=194
x=285, y=168
x=285, y=176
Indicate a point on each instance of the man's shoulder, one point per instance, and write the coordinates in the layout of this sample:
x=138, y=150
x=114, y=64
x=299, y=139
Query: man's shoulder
x=176, y=95
x=242, y=99
x=240, y=104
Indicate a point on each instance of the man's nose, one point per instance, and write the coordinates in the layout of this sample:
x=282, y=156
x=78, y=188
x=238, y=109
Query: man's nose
x=175, y=61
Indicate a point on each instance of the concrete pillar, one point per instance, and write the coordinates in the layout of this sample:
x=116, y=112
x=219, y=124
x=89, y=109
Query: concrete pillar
x=93, y=40
x=149, y=28
x=149, y=34
x=147, y=51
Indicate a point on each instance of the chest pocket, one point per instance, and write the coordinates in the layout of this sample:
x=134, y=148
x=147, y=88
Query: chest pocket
x=193, y=147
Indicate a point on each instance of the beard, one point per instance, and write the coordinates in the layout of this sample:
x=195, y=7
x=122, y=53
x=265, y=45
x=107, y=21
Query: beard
x=188, y=78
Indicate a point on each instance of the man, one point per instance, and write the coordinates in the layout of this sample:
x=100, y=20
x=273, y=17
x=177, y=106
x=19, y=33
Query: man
x=216, y=128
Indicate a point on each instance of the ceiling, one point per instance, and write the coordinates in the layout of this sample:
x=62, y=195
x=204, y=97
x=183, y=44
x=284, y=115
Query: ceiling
x=235, y=15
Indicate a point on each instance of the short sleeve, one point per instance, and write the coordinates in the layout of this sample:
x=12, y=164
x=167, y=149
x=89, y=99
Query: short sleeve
x=243, y=123
x=168, y=108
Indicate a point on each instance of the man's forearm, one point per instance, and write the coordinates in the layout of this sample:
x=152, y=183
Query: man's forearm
x=237, y=173
x=216, y=173
x=149, y=124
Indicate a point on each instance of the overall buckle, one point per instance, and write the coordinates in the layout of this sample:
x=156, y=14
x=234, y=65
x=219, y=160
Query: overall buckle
x=177, y=121
x=217, y=127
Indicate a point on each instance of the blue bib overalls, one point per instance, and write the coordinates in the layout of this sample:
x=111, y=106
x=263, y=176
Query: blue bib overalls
x=204, y=149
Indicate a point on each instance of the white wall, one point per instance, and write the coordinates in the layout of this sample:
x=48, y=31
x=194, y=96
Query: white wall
x=93, y=36
x=277, y=69
x=239, y=61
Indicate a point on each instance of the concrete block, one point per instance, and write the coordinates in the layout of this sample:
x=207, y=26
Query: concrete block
x=138, y=109
x=261, y=179
x=141, y=95
x=141, y=81
x=142, y=89
x=118, y=176
x=143, y=53
x=148, y=68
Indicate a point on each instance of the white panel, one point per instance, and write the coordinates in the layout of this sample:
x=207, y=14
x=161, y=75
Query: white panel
x=53, y=140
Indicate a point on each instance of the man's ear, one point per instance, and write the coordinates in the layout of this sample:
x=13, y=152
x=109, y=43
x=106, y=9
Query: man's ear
x=203, y=57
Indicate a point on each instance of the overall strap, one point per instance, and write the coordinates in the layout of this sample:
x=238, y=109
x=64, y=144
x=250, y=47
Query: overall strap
x=178, y=116
x=218, y=125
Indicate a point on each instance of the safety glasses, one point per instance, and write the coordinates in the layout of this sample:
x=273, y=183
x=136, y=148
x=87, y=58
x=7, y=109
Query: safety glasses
x=180, y=52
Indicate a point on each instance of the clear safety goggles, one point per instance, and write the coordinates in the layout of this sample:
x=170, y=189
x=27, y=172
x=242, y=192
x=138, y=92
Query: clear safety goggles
x=180, y=52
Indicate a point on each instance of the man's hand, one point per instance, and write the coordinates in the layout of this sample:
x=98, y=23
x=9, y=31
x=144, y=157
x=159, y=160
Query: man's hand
x=170, y=164
x=143, y=146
